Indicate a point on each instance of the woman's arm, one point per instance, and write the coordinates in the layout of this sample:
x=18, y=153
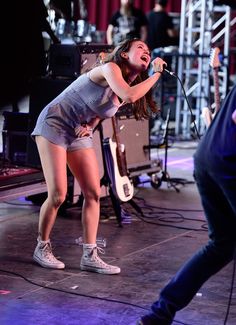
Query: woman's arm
x=129, y=94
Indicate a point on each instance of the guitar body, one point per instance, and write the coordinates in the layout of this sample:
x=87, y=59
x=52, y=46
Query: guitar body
x=121, y=184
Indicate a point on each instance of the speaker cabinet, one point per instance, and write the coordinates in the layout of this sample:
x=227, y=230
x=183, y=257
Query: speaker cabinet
x=43, y=90
x=133, y=134
x=64, y=60
x=71, y=60
x=14, y=137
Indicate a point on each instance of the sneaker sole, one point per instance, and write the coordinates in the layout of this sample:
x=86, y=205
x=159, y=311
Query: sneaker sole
x=101, y=271
x=48, y=266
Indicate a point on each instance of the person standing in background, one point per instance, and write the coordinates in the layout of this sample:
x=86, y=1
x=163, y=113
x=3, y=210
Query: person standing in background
x=127, y=23
x=161, y=32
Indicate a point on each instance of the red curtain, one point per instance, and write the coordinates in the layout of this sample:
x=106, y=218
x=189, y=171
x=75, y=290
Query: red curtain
x=100, y=11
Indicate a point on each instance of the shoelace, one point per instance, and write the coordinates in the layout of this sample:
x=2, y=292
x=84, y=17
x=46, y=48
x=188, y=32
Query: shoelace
x=98, y=259
x=48, y=251
x=100, y=250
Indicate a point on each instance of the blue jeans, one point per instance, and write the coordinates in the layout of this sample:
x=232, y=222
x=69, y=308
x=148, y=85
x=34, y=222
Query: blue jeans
x=218, y=196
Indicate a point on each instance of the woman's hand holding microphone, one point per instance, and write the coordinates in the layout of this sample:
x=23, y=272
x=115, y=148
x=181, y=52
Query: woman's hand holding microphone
x=158, y=65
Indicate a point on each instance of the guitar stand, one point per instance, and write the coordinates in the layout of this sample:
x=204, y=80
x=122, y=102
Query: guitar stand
x=105, y=180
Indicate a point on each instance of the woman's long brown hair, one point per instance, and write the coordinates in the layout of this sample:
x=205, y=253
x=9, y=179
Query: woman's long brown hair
x=144, y=107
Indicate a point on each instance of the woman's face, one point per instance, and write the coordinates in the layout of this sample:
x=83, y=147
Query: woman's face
x=138, y=56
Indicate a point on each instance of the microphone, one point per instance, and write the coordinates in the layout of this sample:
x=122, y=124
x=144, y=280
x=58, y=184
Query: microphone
x=169, y=72
x=166, y=70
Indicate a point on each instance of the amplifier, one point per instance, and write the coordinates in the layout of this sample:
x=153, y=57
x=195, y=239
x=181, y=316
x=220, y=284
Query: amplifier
x=71, y=60
x=42, y=91
x=135, y=136
x=125, y=111
x=14, y=137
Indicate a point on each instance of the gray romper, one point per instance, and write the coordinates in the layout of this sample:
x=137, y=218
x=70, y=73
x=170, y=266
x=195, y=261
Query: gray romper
x=79, y=103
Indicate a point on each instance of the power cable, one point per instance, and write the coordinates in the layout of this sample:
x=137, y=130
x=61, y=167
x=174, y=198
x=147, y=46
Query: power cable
x=80, y=294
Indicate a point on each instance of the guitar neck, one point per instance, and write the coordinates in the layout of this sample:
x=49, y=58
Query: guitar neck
x=217, y=92
x=121, y=160
x=115, y=131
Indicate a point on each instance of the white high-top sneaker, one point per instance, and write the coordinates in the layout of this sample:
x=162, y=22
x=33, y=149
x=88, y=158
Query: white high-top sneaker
x=90, y=261
x=43, y=255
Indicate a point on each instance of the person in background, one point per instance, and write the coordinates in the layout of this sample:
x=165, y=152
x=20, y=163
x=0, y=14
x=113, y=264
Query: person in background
x=215, y=175
x=161, y=32
x=127, y=22
x=63, y=134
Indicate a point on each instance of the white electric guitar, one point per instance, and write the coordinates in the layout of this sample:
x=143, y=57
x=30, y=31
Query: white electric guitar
x=120, y=182
x=207, y=113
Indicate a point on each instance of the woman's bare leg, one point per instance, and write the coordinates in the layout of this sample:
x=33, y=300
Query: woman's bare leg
x=84, y=166
x=53, y=161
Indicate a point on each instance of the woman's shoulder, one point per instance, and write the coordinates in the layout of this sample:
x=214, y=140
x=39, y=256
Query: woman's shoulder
x=101, y=73
x=110, y=69
x=110, y=66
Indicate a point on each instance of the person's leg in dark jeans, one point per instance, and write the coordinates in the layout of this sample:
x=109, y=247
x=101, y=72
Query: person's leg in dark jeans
x=218, y=200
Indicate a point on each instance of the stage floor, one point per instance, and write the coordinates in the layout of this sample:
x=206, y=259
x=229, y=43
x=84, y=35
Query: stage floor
x=149, y=248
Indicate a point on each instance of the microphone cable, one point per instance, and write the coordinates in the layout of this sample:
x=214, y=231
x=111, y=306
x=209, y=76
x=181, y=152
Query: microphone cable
x=186, y=98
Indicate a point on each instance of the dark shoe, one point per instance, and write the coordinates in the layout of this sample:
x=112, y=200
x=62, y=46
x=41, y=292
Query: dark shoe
x=146, y=320
x=151, y=320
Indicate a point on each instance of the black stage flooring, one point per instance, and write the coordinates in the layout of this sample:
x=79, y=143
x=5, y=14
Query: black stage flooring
x=149, y=247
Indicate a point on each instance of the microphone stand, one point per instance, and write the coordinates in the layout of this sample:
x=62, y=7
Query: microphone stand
x=165, y=175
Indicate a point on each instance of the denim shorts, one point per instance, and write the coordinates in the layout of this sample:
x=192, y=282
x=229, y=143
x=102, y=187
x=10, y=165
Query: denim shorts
x=64, y=138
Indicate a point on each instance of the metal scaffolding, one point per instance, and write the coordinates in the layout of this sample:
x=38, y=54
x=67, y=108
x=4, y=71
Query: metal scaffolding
x=203, y=26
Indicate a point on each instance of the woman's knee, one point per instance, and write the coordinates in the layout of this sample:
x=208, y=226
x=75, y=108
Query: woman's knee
x=57, y=198
x=92, y=195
